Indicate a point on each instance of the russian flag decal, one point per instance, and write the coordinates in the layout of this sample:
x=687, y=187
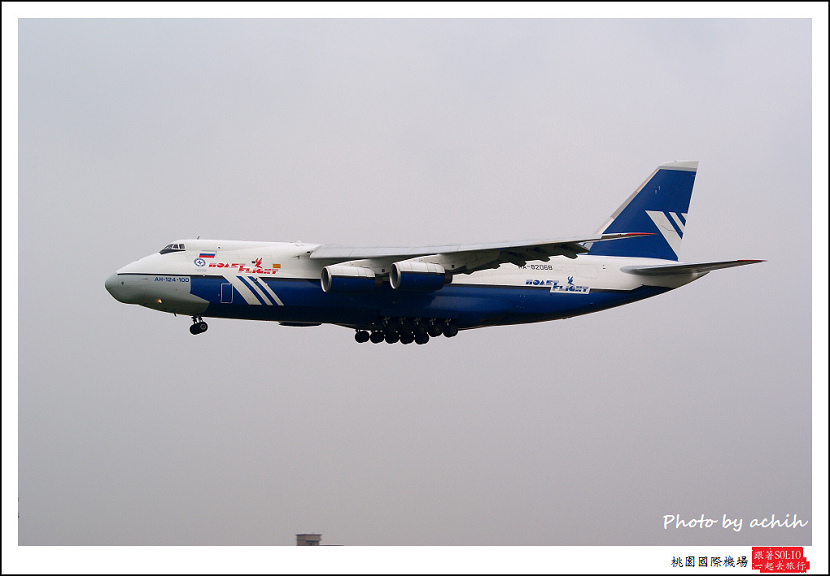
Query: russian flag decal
x=207, y=254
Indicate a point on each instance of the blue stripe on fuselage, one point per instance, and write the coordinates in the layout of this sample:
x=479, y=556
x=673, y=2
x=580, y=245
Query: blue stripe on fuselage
x=469, y=305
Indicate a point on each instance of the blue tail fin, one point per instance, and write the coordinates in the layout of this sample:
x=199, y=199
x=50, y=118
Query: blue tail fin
x=660, y=206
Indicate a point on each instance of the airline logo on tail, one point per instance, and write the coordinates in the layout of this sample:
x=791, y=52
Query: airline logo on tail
x=673, y=233
x=662, y=201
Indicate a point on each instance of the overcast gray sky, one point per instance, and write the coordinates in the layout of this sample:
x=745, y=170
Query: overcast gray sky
x=587, y=431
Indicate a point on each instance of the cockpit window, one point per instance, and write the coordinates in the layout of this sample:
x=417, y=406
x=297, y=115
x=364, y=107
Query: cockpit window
x=172, y=248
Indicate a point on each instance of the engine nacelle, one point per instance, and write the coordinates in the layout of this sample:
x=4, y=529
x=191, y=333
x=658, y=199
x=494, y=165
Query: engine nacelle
x=341, y=279
x=423, y=276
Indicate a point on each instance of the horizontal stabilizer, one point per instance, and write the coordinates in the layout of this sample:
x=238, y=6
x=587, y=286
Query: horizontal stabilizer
x=661, y=270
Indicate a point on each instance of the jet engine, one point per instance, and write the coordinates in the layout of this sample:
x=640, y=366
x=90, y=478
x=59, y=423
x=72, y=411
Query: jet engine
x=423, y=276
x=342, y=279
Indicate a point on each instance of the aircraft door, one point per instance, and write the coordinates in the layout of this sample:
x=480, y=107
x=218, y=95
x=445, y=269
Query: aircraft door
x=226, y=294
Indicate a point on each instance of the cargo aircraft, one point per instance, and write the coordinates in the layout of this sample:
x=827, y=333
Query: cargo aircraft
x=409, y=294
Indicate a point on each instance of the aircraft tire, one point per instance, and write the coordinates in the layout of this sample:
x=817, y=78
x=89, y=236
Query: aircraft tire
x=421, y=338
x=391, y=337
x=361, y=336
x=451, y=330
x=376, y=337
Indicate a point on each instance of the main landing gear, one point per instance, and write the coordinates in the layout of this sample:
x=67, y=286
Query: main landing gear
x=407, y=330
x=198, y=325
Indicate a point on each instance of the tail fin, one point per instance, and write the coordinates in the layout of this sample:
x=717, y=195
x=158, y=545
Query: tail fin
x=660, y=206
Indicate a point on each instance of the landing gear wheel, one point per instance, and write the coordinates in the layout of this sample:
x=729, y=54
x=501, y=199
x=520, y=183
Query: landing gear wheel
x=450, y=330
x=361, y=336
x=376, y=337
x=198, y=325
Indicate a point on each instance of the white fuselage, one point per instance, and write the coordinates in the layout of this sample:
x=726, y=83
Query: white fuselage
x=279, y=281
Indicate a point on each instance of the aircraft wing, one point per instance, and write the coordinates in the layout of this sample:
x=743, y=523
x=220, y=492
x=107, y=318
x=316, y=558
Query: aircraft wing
x=660, y=270
x=466, y=258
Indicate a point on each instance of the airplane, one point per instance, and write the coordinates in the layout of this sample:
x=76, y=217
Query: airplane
x=409, y=294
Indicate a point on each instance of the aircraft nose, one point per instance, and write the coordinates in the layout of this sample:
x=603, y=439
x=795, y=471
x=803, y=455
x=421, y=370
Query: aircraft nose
x=112, y=285
x=126, y=288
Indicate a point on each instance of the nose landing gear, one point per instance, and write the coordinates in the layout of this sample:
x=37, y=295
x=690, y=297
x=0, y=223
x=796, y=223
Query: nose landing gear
x=198, y=325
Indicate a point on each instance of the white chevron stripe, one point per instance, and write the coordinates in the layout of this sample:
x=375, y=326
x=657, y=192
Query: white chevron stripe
x=244, y=291
x=679, y=222
x=258, y=289
x=666, y=229
x=265, y=287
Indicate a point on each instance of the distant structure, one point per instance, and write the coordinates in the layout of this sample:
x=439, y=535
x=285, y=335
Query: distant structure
x=308, y=539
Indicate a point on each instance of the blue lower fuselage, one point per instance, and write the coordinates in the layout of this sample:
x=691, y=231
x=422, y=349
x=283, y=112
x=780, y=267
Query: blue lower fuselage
x=469, y=305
